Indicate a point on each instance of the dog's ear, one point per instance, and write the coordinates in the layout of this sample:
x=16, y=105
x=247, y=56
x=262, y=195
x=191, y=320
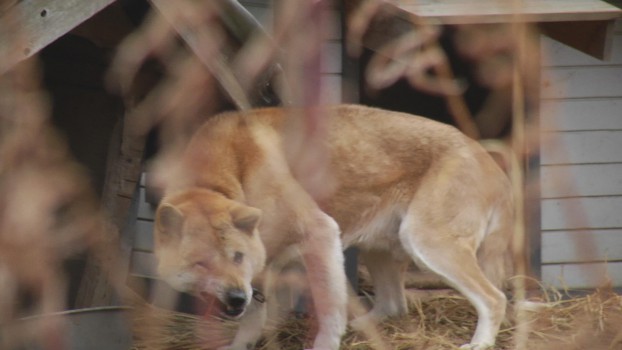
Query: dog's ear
x=169, y=219
x=245, y=218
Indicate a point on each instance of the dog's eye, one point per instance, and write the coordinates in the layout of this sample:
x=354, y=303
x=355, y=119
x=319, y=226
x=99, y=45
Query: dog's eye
x=238, y=257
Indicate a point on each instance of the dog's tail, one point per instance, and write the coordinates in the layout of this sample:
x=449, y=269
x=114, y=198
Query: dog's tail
x=495, y=254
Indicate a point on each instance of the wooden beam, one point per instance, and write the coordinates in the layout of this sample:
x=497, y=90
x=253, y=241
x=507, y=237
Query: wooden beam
x=591, y=37
x=496, y=11
x=30, y=25
x=104, y=275
x=586, y=25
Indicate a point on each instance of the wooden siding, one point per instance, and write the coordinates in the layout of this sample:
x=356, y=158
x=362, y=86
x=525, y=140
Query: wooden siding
x=581, y=172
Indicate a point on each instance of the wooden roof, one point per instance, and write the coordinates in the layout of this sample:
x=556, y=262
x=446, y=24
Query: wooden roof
x=586, y=25
x=40, y=22
x=491, y=11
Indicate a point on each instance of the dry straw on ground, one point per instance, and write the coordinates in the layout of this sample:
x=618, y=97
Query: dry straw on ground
x=434, y=322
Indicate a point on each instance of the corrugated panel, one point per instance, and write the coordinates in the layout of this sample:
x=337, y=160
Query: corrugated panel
x=581, y=180
x=581, y=212
x=581, y=114
x=581, y=246
x=582, y=275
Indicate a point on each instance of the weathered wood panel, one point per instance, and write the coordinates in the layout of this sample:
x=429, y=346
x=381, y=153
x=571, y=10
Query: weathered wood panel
x=582, y=212
x=581, y=246
x=581, y=82
x=582, y=147
x=582, y=275
x=40, y=22
x=581, y=180
x=581, y=114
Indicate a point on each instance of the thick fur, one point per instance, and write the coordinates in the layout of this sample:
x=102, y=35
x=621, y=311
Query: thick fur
x=404, y=188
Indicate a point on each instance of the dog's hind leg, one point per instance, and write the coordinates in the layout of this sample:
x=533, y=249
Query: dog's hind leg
x=455, y=260
x=387, y=277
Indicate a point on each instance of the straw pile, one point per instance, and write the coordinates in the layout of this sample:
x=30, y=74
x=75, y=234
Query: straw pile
x=442, y=321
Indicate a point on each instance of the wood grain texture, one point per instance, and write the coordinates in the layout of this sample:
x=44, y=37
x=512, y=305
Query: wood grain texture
x=40, y=22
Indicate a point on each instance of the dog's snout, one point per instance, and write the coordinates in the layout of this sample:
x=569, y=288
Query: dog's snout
x=236, y=298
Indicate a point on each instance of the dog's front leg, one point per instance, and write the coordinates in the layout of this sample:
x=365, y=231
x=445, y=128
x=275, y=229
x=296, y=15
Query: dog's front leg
x=250, y=327
x=323, y=258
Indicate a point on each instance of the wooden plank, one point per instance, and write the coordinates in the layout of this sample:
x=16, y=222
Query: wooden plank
x=490, y=11
x=143, y=239
x=145, y=210
x=330, y=89
x=581, y=114
x=40, y=22
x=592, y=37
x=555, y=53
x=331, y=57
x=144, y=264
x=582, y=212
x=581, y=147
x=582, y=275
x=581, y=180
x=581, y=246
x=580, y=82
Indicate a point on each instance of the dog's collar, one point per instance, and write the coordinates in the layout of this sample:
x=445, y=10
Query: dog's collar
x=258, y=296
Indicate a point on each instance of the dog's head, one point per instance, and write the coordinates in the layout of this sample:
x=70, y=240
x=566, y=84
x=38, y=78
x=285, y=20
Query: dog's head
x=208, y=245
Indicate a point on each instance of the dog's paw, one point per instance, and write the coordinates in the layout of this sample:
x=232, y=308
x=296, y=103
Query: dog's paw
x=472, y=346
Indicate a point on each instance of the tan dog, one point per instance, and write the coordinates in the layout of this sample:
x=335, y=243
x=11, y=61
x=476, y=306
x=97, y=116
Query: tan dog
x=407, y=188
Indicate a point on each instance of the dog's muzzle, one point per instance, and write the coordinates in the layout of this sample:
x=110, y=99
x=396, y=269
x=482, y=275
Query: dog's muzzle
x=235, y=302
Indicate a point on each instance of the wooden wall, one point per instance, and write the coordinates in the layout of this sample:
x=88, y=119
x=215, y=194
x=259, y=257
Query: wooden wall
x=581, y=171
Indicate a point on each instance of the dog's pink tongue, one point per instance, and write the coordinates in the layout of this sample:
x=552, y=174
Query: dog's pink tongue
x=208, y=306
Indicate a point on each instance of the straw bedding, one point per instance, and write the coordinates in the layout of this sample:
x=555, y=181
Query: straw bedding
x=435, y=321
